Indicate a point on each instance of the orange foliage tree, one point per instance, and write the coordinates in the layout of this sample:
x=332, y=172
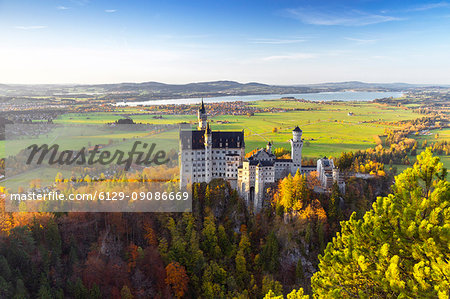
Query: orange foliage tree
x=150, y=235
x=133, y=252
x=177, y=278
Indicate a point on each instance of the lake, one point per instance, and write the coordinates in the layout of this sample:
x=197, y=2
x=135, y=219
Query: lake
x=320, y=96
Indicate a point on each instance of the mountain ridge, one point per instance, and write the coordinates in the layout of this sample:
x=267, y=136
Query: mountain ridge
x=158, y=90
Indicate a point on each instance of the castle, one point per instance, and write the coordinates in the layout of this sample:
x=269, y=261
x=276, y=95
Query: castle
x=206, y=155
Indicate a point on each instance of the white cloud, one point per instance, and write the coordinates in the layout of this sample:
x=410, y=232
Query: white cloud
x=361, y=41
x=430, y=6
x=110, y=10
x=383, y=57
x=293, y=56
x=62, y=7
x=275, y=41
x=346, y=18
x=187, y=36
x=30, y=27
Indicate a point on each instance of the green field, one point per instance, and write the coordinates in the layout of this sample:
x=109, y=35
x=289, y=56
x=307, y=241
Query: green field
x=434, y=136
x=327, y=130
x=103, y=117
x=86, y=135
x=44, y=174
x=70, y=138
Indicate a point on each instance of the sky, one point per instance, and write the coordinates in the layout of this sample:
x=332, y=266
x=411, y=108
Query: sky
x=268, y=41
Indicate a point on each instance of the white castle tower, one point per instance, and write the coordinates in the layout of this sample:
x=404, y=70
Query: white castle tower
x=296, y=149
x=202, y=117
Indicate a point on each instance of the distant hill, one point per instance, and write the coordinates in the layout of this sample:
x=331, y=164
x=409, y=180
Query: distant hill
x=153, y=90
x=157, y=90
x=363, y=85
x=200, y=87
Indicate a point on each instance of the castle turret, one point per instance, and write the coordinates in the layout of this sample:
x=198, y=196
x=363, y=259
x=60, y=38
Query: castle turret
x=297, y=134
x=269, y=147
x=202, y=117
x=296, y=149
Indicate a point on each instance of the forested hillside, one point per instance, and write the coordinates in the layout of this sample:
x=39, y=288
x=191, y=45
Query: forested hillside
x=222, y=250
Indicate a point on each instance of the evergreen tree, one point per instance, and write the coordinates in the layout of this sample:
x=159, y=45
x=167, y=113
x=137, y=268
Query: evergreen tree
x=224, y=240
x=210, y=240
x=5, y=288
x=21, y=291
x=5, y=270
x=208, y=196
x=79, y=291
x=400, y=248
x=94, y=292
x=270, y=253
x=45, y=289
x=53, y=240
x=125, y=293
x=334, y=210
x=299, y=273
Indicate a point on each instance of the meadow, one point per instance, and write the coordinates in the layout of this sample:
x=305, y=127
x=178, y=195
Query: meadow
x=74, y=137
x=329, y=128
x=433, y=136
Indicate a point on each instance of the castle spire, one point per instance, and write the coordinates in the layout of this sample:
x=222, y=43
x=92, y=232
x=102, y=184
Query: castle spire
x=202, y=109
x=202, y=117
x=269, y=147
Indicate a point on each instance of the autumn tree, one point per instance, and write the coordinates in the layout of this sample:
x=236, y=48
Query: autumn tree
x=133, y=254
x=213, y=281
x=6, y=219
x=269, y=284
x=177, y=279
x=294, y=294
x=150, y=235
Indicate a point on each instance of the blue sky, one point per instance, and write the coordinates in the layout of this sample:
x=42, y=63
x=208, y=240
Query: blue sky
x=276, y=42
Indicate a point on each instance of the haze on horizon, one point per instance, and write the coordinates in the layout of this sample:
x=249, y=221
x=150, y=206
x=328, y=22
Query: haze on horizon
x=274, y=42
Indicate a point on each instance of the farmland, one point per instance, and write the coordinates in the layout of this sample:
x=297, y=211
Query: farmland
x=327, y=128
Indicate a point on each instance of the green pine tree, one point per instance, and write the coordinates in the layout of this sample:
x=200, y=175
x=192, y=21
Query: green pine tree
x=400, y=249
